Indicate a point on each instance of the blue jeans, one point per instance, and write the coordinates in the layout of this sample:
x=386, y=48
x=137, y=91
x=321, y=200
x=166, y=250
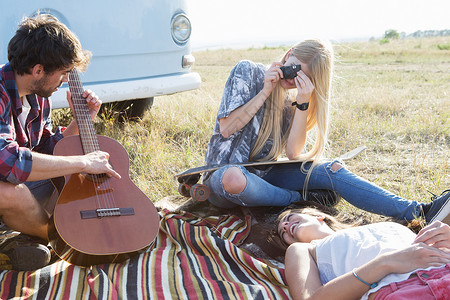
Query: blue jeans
x=280, y=186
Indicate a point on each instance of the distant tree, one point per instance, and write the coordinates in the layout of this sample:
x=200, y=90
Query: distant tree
x=391, y=34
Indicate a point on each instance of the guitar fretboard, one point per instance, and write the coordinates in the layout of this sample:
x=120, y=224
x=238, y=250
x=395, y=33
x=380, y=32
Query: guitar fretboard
x=89, y=140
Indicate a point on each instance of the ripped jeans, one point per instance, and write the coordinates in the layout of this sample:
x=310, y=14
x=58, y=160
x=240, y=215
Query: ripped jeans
x=280, y=186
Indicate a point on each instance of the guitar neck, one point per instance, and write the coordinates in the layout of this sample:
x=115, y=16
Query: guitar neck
x=89, y=140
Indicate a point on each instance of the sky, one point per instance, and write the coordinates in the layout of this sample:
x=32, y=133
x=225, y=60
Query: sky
x=244, y=23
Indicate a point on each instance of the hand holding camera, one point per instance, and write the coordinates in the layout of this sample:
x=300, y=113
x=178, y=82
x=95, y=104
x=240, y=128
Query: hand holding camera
x=276, y=72
x=290, y=72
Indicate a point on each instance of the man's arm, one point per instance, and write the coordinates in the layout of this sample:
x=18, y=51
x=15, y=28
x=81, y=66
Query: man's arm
x=50, y=166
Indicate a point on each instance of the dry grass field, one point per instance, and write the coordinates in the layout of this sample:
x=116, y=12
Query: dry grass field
x=393, y=97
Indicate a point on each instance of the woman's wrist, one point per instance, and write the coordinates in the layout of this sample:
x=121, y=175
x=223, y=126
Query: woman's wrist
x=302, y=99
x=301, y=106
x=265, y=92
x=371, y=285
x=381, y=266
x=301, y=102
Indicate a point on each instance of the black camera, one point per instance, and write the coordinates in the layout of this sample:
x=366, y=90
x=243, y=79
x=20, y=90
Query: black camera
x=290, y=72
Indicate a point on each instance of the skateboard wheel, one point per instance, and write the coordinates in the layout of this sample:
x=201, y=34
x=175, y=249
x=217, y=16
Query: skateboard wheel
x=199, y=192
x=184, y=190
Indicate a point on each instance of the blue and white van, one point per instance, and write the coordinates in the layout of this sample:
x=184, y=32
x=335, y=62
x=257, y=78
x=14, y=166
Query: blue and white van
x=141, y=48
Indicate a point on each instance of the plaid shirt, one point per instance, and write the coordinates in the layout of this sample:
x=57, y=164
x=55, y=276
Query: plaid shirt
x=17, y=142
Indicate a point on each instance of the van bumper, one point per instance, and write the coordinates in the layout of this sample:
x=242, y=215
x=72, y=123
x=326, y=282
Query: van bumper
x=134, y=89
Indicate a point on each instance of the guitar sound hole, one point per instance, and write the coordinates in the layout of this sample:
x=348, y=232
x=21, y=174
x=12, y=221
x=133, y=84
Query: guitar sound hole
x=97, y=178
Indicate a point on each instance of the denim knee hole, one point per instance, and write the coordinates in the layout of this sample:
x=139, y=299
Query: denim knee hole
x=335, y=165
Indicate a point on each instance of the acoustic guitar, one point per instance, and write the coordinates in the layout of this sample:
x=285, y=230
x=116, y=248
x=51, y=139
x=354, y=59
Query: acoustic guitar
x=98, y=219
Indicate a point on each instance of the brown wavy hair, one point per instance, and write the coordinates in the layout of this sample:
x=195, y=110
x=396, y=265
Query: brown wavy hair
x=44, y=40
x=336, y=222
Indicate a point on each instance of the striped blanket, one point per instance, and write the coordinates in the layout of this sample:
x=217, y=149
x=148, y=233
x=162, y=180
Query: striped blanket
x=192, y=258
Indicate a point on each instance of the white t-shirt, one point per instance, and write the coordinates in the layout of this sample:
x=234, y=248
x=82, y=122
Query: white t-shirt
x=350, y=248
x=25, y=110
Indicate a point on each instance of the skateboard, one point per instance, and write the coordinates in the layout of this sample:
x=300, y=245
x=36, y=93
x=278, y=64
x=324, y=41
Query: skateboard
x=188, y=180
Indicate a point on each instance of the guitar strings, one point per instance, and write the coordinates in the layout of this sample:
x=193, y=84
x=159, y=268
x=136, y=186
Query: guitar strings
x=75, y=91
x=89, y=139
x=92, y=143
x=105, y=200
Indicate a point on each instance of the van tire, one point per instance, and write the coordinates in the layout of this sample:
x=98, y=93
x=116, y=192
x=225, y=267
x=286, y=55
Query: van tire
x=138, y=107
x=128, y=109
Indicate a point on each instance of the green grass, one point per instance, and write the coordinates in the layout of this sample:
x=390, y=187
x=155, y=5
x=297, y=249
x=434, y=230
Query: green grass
x=444, y=46
x=392, y=97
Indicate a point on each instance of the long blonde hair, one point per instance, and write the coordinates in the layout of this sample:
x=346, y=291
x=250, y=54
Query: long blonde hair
x=319, y=57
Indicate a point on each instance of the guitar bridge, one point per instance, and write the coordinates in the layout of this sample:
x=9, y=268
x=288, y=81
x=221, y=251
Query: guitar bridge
x=107, y=212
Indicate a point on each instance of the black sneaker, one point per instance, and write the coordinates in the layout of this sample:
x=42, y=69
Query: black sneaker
x=23, y=253
x=439, y=209
x=323, y=197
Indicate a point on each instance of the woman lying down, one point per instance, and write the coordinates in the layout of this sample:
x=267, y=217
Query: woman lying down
x=328, y=259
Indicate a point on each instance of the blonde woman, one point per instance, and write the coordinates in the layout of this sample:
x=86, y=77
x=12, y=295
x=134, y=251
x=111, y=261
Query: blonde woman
x=327, y=259
x=263, y=115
